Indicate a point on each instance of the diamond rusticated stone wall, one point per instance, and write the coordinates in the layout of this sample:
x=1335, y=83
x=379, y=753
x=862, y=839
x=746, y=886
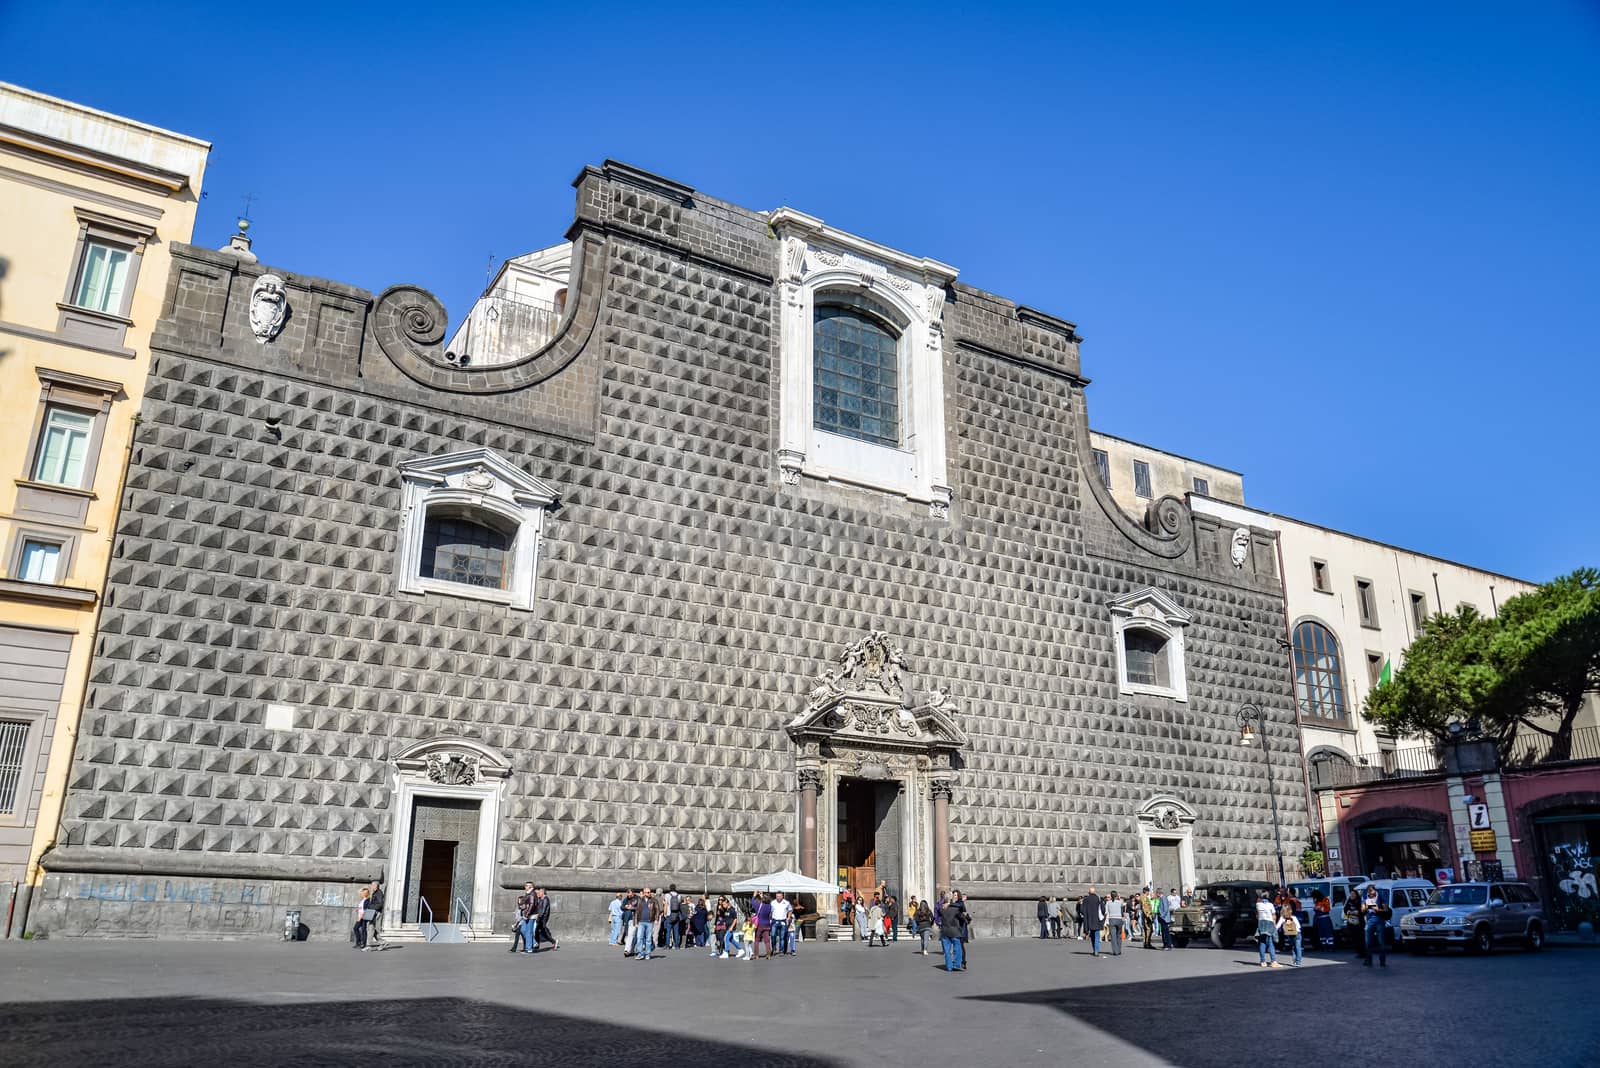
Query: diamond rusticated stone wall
x=686, y=600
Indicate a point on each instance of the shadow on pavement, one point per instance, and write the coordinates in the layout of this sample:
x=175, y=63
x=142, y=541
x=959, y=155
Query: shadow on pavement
x=411, y=1031
x=1479, y=1014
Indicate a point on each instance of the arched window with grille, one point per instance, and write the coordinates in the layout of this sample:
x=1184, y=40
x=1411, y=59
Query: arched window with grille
x=1318, y=672
x=856, y=378
x=467, y=548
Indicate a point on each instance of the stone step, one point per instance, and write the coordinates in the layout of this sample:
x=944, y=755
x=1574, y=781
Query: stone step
x=413, y=933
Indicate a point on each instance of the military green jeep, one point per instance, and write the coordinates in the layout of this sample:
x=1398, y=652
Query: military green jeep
x=1223, y=912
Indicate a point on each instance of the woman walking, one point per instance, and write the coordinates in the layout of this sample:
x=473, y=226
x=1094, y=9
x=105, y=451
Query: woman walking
x=697, y=923
x=363, y=916
x=763, y=915
x=924, y=924
x=1267, y=924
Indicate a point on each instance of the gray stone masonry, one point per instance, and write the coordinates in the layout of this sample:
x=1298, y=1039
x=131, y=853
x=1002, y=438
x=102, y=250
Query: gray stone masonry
x=686, y=601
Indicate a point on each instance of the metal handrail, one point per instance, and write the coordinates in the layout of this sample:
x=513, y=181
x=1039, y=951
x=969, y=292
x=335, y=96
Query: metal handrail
x=461, y=913
x=431, y=922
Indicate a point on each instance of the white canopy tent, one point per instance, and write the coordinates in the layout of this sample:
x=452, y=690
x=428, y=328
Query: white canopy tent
x=787, y=881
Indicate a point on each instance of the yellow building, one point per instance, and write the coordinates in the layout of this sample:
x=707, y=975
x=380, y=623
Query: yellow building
x=89, y=204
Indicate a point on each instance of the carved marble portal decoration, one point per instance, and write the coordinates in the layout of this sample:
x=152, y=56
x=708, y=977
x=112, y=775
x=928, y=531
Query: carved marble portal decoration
x=452, y=769
x=871, y=663
x=269, y=307
x=862, y=703
x=1240, y=551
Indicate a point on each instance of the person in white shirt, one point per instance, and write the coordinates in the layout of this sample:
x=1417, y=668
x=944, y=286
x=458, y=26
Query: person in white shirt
x=1267, y=924
x=782, y=911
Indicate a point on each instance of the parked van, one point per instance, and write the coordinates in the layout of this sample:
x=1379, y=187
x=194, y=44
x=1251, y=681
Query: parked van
x=1335, y=888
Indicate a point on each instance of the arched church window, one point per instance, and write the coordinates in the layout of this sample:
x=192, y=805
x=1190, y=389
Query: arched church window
x=1318, y=672
x=856, y=375
x=458, y=547
x=470, y=526
x=1146, y=653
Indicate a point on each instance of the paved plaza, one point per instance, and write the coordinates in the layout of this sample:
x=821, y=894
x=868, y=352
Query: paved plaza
x=1021, y=1003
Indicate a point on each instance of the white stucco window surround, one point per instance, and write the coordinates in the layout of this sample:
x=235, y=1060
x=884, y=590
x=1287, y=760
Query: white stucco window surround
x=1148, y=629
x=1168, y=819
x=480, y=487
x=907, y=293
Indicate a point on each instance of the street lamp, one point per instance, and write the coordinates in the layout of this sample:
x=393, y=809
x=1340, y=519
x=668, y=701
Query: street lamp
x=1253, y=724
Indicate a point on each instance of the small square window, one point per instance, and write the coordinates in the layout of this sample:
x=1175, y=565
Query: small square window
x=63, y=446
x=40, y=561
x=1103, y=462
x=1366, y=604
x=1319, y=576
x=102, y=282
x=1141, y=478
x=1202, y=486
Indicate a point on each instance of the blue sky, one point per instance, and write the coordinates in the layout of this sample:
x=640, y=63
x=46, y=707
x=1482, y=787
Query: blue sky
x=1351, y=253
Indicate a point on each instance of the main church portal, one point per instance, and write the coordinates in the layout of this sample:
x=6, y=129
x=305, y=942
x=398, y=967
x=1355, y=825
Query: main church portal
x=869, y=846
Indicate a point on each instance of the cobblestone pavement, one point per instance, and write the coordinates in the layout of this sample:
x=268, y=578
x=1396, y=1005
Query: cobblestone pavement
x=1021, y=1003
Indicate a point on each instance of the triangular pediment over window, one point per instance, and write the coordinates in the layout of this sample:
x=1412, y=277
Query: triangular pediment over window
x=481, y=471
x=1150, y=603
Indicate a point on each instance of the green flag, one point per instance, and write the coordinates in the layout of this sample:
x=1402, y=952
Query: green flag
x=1387, y=673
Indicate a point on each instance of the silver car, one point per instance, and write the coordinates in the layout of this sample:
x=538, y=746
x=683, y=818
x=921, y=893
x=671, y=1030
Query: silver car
x=1476, y=916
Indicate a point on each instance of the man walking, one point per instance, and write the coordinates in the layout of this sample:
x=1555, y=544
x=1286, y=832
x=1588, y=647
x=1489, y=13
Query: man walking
x=950, y=930
x=782, y=909
x=1043, y=912
x=544, y=933
x=1164, y=917
x=630, y=921
x=375, y=906
x=1376, y=913
x=1147, y=910
x=1093, y=920
x=614, y=910
x=644, y=918
x=674, y=920
x=528, y=910
x=891, y=916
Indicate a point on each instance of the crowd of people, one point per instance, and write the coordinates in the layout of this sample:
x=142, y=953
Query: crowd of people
x=646, y=921
x=1112, y=920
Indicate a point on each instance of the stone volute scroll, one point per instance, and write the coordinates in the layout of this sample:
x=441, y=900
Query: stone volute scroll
x=1167, y=527
x=409, y=324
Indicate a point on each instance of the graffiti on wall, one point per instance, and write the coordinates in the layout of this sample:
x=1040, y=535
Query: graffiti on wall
x=1577, y=899
x=182, y=891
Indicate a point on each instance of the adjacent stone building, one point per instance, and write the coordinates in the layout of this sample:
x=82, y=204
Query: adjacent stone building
x=786, y=550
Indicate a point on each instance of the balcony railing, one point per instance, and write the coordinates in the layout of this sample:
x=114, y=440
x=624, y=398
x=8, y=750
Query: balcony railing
x=1536, y=748
x=501, y=330
x=1408, y=763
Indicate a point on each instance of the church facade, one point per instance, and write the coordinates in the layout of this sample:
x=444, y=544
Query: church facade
x=784, y=551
